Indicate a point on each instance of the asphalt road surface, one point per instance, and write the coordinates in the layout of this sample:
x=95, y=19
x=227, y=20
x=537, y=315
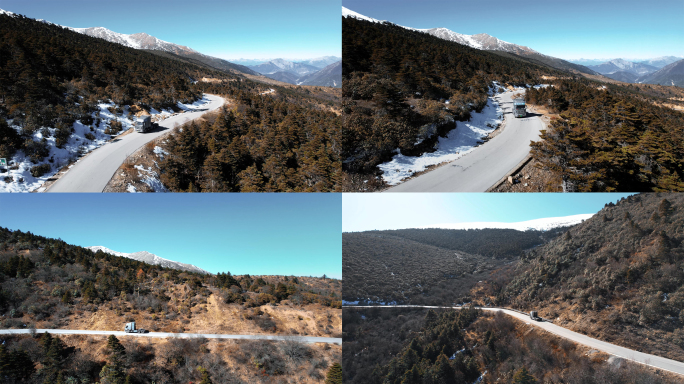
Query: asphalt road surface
x=488, y=163
x=93, y=172
x=625, y=353
x=303, y=339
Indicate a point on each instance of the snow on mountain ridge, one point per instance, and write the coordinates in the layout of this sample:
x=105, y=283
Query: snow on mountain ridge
x=137, y=40
x=151, y=258
x=543, y=224
x=480, y=41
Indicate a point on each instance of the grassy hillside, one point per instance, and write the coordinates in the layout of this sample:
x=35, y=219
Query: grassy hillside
x=46, y=283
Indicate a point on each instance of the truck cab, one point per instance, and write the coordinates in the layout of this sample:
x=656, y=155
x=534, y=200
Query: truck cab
x=130, y=328
x=535, y=316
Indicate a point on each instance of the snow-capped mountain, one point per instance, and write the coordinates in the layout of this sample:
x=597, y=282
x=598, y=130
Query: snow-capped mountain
x=282, y=65
x=487, y=42
x=3, y=12
x=349, y=13
x=543, y=224
x=618, y=65
x=662, y=61
x=136, y=40
x=320, y=62
x=479, y=41
x=152, y=259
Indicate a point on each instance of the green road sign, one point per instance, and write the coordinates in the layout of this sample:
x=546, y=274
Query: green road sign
x=3, y=162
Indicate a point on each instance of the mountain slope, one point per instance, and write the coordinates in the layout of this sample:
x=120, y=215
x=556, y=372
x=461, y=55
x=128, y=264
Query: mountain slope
x=330, y=76
x=660, y=62
x=672, y=74
x=484, y=41
x=152, y=259
x=616, y=276
x=145, y=41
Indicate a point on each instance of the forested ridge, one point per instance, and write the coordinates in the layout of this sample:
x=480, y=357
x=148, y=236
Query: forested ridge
x=47, y=283
x=280, y=141
x=51, y=77
x=394, y=83
x=415, y=346
x=617, y=276
x=609, y=139
x=429, y=266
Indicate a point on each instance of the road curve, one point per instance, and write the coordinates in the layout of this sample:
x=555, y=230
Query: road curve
x=488, y=163
x=93, y=172
x=303, y=339
x=612, y=349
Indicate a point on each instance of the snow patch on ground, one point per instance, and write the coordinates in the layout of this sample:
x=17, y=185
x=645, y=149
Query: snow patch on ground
x=151, y=178
x=18, y=178
x=461, y=140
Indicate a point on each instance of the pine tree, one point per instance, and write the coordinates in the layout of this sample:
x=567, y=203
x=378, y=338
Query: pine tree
x=334, y=375
x=205, y=376
x=522, y=376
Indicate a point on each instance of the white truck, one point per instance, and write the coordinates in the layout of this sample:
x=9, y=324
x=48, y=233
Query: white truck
x=130, y=328
x=143, y=124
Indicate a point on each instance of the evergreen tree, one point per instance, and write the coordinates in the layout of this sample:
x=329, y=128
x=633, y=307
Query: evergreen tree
x=205, y=376
x=334, y=375
x=522, y=376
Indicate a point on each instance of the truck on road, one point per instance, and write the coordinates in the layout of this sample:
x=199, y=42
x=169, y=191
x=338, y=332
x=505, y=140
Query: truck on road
x=535, y=316
x=143, y=124
x=130, y=328
x=519, y=108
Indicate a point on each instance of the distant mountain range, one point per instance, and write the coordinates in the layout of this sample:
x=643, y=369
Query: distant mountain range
x=152, y=259
x=657, y=62
x=301, y=73
x=486, y=42
x=620, y=65
x=543, y=224
x=662, y=71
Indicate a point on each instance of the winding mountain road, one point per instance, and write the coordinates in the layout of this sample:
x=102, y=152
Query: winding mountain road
x=488, y=163
x=612, y=349
x=303, y=339
x=93, y=172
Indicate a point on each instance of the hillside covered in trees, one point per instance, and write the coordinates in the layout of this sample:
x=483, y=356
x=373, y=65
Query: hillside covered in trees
x=428, y=266
x=609, y=139
x=617, y=277
x=395, y=82
x=53, y=81
x=280, y=141
x=48, y=284
x=417, y=346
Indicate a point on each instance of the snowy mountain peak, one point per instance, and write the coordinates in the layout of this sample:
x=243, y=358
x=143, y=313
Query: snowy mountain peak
x=481, y=41
x=3, y=12
x=346, y=12
x=150, y=258
x=543, y=224
x=139, y=40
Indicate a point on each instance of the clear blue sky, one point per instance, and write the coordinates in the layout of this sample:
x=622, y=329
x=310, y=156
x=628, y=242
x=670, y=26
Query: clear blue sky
x=229, y=29
x=362, y=212
x=261, y=234
x=560, y=28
